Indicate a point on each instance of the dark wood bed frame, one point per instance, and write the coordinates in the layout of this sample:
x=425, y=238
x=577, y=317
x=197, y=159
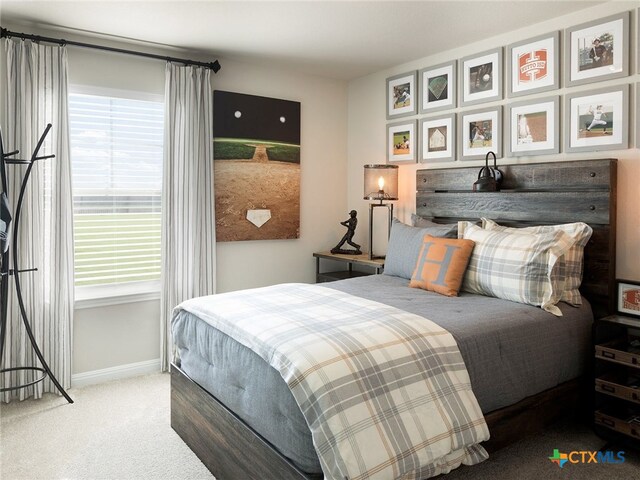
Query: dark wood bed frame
x=544, y=193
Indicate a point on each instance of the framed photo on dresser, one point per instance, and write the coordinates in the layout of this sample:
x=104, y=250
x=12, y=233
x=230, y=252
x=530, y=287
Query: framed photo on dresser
x=629, y=297
x=534, y=65
x=597, y=50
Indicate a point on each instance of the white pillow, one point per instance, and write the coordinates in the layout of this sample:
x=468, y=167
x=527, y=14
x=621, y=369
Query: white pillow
x=580, y=233
x=517, y=267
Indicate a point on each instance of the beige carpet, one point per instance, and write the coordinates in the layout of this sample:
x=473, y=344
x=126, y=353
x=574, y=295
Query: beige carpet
x=116, y=430
x=120, y=430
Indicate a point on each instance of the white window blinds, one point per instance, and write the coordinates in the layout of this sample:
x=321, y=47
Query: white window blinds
x=116, y=152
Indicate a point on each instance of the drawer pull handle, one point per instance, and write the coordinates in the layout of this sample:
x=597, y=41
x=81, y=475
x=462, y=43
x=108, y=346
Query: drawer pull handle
x=592, y=207
x=606, y=354
x=608, y=388
x=634, y=361
x=635, y=397
x=608, y=423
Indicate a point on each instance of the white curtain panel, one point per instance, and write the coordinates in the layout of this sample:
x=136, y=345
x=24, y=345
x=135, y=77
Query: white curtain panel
x=36, y=94
x=188, y=223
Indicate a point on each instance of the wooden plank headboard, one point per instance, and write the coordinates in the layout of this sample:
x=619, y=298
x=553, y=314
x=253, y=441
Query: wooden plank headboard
x=538, y=194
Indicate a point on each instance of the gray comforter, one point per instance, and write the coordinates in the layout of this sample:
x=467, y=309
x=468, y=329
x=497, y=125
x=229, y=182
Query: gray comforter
x=511, y=351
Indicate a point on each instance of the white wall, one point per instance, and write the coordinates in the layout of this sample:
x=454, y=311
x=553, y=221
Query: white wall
x=367, y=131
x=106, y=337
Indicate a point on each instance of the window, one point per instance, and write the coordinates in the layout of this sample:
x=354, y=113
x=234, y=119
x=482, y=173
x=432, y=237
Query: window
x=116, y=156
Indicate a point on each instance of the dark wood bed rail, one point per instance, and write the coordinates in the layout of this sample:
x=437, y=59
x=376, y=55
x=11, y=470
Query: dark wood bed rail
x=538, y=194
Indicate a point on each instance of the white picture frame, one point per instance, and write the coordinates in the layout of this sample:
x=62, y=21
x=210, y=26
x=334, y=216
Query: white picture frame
x=402, y=141
x=597, y=50
x=481, y=77
x=628, y=297
x=480, y=132
x=402, y=95
x=534, y=65
x=597, y=120
x=533, y=127
x=438, y=87
x=438, y=139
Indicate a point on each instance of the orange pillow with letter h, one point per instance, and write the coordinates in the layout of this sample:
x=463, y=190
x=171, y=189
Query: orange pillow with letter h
x=441, y=265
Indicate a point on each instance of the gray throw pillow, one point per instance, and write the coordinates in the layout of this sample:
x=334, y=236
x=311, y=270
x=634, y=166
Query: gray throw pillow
x=405, y=243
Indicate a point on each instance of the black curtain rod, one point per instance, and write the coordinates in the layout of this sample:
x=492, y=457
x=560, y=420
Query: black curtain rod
x=215, y=66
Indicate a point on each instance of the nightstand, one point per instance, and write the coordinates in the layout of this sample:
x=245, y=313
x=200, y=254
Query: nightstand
x=617, y=379
x=377, y=265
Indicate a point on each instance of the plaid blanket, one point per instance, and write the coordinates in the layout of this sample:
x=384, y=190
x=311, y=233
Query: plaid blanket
x=385, y=392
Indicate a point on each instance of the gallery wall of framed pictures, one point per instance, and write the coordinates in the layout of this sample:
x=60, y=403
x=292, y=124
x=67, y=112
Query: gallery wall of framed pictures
x=464, y=108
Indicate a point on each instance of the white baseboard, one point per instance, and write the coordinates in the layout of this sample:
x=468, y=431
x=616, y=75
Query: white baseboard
x=115, y=373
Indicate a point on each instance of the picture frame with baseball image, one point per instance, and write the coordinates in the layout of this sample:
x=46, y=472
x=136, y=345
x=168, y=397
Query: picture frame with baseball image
x=437, y=139
x=438, y=87
x=597, y=120
x=402, y=95
x=480, y=132
x=534, y=65
x=401, y=141
x=481, y=77
x=533, y=127
x=597, y=50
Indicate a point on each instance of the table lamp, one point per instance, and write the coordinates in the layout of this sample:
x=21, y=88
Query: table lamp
x=380, y=184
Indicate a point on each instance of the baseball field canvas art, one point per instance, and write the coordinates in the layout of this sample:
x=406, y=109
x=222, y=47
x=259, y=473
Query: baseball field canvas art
x=257, y=167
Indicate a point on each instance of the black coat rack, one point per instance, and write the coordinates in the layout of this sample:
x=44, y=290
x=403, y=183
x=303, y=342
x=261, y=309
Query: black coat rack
x=6, y=272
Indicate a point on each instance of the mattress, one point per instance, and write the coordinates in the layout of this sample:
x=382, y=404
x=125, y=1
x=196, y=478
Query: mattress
x=511, y=351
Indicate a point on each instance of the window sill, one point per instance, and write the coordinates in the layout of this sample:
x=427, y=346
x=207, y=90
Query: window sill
x=106, y=295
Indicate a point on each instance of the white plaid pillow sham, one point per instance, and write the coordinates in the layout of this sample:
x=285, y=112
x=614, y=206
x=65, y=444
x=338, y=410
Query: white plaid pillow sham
x=573, y=260
x=517, y=267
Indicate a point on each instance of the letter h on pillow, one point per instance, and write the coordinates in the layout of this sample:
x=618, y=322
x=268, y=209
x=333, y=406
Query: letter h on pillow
x=441, y=265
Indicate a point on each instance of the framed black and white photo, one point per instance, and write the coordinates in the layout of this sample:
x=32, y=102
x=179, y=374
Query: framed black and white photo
x=534, y=65
x=401, y=141
x=480, y=132
x=533, y=127
x=438, y=87
x=437, y=138
x=402, y=95
x=597, y=50
x=481, y=77
x=597, y=120
x=628, y=297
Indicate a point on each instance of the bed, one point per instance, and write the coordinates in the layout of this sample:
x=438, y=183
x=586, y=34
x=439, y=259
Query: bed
x=241, y=425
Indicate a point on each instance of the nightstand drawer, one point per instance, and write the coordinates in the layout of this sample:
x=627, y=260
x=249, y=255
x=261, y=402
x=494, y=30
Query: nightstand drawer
x=619, y=351
x=620, y=385
x=629, y=424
